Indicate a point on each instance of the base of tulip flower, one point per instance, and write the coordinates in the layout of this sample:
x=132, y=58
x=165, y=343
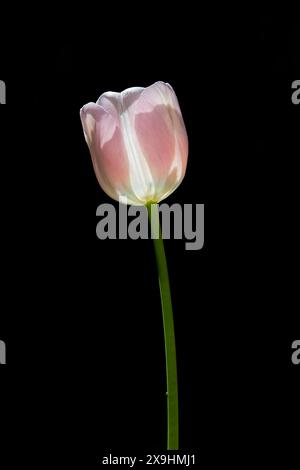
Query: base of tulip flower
x=169, y=335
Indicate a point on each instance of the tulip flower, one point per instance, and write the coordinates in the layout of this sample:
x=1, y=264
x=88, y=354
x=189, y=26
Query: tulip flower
x=139, y=148
x=138, y=142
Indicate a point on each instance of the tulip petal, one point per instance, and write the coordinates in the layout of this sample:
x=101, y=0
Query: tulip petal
x=179, y=128
x=110, y=101
x=154, y=130
x=121, y=106
x=162, y=136
x=106, y=145
x=156, y=139
x=130, y=97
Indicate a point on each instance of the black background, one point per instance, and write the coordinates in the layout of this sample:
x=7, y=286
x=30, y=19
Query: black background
x=81, y=317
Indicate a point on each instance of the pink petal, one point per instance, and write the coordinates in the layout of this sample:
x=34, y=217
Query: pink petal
x=156, y=124
x=162, y=94
x=130, y=97
x=156, y=139
x=110, y=101
x=106, y=145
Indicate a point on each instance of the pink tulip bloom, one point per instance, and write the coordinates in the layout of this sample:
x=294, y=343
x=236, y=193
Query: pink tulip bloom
x=138, y=143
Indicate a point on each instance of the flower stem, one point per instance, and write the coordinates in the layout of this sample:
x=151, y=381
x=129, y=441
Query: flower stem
x=168, y=323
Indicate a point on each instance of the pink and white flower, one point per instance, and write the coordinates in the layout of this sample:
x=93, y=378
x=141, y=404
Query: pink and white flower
x=138, y=143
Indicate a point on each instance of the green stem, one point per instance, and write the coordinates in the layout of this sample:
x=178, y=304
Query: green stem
x=169, y=334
